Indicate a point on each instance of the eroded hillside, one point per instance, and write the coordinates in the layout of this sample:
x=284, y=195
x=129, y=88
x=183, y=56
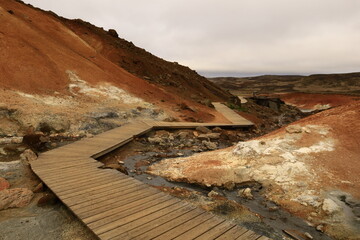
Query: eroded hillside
x=58, y=70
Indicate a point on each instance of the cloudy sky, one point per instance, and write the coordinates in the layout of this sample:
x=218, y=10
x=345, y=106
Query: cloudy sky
x=233, y=37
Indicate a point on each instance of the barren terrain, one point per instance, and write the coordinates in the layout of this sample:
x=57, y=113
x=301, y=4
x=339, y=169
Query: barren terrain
x=294, y=172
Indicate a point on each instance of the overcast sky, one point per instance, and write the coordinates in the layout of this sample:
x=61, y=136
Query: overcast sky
x=233, y=37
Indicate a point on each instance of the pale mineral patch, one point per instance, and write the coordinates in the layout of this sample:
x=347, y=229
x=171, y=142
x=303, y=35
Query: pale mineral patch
x=79, y=86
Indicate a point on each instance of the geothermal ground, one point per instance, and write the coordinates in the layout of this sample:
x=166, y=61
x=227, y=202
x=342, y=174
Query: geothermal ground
x=293, y=175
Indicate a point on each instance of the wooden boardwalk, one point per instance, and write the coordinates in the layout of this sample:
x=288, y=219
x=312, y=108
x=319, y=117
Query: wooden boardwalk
x=116, y=206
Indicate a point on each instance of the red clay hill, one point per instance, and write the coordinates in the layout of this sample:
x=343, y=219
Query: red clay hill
x=39, y=48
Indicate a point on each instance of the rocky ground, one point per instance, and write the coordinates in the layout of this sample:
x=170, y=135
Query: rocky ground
x=309, y=168
x=26, y=202
x=28, y=209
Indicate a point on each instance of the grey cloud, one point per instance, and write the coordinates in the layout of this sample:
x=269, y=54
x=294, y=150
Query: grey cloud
x=278, y=36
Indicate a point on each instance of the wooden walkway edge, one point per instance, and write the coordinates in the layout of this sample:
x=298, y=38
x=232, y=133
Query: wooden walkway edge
x=115, y=206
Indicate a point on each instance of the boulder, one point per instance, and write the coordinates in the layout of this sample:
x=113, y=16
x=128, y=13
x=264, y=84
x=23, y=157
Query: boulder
x=203, y=129
x=113, y=33
x=217, y=130
x=330, y=207
x=4, y=184
x=162, y=133
x=245, y=193
x=15, y=198
x=183, y=135
x=120, y=168
x=155, y=140
x=229, y=185
x=213, y=193
x=209, y=136
x=209, y=145
x=27, y=156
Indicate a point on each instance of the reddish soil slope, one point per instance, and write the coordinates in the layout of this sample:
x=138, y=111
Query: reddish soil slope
x=37, y=48
x=314, y=101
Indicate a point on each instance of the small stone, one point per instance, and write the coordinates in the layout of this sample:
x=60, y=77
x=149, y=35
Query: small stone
x=118, y=167
x=320, y=228
x=155, y=140
x=330, y=207
x=121, y=162
x=273, y=209
x=213, y=193
x=217, y=130
x=149, y=178
x=180, y=154
x=4, y=184
x=308, y=235
x=209, y=145
x=21, y=149
x=113, y=33
x=294, y=129
x=162, y=134
x=44, y=139
x=203, y=129
x=16, y=140
x=246, y=193
x=313, y=214
x=47, y=199
x=229, y=185
x=183, y=135
x=209, y=136
x=27, y=156
x=53, y=145
x=196, y=134
x=39, y=188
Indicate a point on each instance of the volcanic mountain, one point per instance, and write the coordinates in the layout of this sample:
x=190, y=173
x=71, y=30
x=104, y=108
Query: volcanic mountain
x=52, y=64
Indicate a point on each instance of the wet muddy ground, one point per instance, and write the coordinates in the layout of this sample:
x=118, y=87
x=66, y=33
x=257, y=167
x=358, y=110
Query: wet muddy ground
x=257, y=213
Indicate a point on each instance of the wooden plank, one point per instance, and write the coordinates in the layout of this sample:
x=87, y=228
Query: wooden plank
x=79, y=186
x=216, y=231
x=75, y=200
x=113, y=202
x=249, y=235
x=83, y=177
x=97, y=188
x=69, y=173
x=200, y=229
x=157, y=230
x=185, y=226
x=119, y=217
x=73, y=172
x=99, y=201
x=65, y=190
x=145, y=227
x=54, y=169
x=134, y=216
x=263, y=238
x=128, y=205
x=102, y=187
x=233, y=233
x=146, y=223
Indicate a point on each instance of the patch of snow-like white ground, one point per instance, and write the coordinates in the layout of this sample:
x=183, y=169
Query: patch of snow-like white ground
x=106, y=90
